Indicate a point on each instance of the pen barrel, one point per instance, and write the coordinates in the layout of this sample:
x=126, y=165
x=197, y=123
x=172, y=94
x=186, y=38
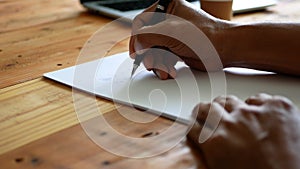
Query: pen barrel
x=157, y=18
x=159, y=14
x=138, y=59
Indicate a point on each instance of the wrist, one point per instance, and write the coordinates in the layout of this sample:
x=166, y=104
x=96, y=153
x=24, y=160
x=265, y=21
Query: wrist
x=218, y=35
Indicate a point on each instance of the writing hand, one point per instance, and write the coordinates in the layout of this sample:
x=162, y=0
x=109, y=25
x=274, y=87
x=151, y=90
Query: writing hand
x=162, y=62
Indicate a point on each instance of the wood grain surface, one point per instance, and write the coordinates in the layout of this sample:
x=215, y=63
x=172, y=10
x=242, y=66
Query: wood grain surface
x=71, y=148
x=39, y=127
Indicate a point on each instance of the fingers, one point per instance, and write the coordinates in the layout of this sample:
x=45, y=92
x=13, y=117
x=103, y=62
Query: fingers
x=149, y=62
x=194, y=133
x=269, y=101
x=164, y=64
x=146, y=17
x=219, y=107
x=258, y=99
x=208, y=116
x=263, y=98
x=143, y=18
x=215, y=118
x=154, y=35
x=212, y=115
x=146, y=37
x=199, y=114
x=161, y=62
x=140, y=21
x=160, y=69
x=172, y=72
x=230, y=103
x=146, y=41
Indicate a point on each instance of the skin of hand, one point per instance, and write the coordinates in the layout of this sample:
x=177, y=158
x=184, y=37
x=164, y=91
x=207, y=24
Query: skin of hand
x=269, y=46
x=162, y=62
x=262, y=133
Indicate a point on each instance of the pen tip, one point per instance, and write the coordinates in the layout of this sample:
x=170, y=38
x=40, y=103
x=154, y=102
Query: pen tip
x=133, y=70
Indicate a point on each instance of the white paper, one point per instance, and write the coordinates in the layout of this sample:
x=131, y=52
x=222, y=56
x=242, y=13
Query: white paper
x=110, y=78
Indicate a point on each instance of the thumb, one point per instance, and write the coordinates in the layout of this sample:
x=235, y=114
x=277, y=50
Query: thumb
x=154, y=35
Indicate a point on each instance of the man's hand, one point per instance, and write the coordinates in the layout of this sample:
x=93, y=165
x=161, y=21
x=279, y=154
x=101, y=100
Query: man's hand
x=162, y=61
x=262, y=132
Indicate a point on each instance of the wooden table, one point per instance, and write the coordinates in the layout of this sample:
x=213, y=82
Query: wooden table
x=38, y=124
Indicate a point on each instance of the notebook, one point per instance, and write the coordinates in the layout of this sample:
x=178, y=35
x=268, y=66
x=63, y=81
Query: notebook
x=128, y=9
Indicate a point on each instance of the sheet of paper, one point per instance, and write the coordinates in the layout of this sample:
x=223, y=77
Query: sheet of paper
x=109, y=78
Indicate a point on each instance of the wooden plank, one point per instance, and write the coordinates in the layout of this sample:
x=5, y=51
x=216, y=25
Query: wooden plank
x=51, y=44
x=36, y=109
x=23, y=14
x=35, y=39
x=45, y=35
x=72, y=148
x=43, y=52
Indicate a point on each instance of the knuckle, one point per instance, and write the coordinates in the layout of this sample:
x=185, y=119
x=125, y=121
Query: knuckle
x=218, y=137
x=219, y=98
x=231, y=97
x=197, y=108
x=135, y=19
x=247, y=112
x=227, y=125
x=243, y=110
x=282, y=102
x=260, y=95
x=251, y=99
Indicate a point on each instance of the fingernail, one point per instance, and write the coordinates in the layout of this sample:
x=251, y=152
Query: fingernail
x=163, y=75
x=172, y=73
x=157, y=73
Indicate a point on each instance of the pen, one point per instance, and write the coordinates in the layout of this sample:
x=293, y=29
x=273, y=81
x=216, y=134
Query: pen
x=161, y=7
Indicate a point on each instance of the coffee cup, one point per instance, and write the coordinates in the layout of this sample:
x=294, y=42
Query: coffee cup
x=221, y=9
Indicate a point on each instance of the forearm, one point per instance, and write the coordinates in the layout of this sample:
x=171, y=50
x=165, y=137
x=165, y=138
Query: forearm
x=265, y=46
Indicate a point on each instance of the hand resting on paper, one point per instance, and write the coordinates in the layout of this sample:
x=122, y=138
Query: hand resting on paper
x=262, y=133
x=266, y=46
